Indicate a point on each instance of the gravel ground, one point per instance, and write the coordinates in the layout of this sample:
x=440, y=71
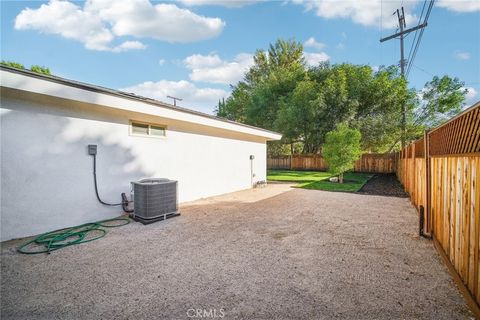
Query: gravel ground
x=384, y=185
x=270, y=253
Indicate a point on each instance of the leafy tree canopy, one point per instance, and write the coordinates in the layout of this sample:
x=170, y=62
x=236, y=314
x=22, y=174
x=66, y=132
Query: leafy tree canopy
x=12, y=64
x=441, y=99
x=34, y=68
x=40, y=69
x=280, y=92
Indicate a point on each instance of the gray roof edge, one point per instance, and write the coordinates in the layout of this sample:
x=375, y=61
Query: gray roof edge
x=126, y=95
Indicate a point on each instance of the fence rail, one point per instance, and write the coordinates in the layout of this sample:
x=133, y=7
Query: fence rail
x=441, y=172
x=369, y=162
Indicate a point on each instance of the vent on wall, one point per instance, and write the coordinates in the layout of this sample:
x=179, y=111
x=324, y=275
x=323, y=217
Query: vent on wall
x=155, y=199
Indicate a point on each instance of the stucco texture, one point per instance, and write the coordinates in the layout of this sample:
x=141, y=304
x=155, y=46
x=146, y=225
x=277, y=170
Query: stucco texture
x=47, y=174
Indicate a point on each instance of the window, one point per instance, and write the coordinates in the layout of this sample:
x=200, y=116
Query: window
x=157, y=131
x=139, y=128
x=146, y=129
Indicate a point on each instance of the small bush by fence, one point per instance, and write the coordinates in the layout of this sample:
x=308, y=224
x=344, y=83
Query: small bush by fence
x=369, y=162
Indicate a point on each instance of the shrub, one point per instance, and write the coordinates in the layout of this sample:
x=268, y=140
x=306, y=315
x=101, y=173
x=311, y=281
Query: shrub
x=341, y=149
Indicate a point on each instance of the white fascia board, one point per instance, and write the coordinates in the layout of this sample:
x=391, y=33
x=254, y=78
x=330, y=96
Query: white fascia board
x=46, y=87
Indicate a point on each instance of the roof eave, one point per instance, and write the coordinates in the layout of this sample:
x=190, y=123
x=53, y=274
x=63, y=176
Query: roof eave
x=91, y=89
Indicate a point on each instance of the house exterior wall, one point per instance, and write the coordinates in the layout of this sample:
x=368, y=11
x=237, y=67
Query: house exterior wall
x=46, y=172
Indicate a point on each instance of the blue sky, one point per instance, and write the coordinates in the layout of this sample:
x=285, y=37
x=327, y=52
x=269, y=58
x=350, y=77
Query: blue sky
x=194, y=49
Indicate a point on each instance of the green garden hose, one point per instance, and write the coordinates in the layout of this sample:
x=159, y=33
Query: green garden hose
x=58, y=239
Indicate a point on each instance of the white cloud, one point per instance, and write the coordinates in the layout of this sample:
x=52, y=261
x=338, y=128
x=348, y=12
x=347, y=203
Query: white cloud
x=471, y=96
x=161, y=62
x=312, y=43
x=200, y=99
x=378, y=12
x=459, y=5
x=100, y=22
x=462, y=55
x=198, y=61
x=129, y=45
x=211, y=68
x=69, y=21
x=313, y=59
x=224, y=3
x=166, y=22
x=364, y=12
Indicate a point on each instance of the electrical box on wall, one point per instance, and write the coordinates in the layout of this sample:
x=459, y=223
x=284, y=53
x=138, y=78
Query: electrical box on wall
x=92, y=149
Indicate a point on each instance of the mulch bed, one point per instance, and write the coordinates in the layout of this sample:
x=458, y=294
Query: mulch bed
x=384, y=185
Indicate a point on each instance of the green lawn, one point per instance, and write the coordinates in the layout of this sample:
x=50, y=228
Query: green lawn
x=319, y=180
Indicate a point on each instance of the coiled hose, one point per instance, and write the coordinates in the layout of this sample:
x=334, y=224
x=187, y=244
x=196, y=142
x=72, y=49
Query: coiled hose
x=58, y=239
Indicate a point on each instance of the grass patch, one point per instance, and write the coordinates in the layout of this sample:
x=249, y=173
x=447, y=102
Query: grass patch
x=319, y=180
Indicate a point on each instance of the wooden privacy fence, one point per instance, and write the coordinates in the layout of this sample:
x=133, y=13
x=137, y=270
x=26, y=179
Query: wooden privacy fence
x=441, y=172
x=369, y=162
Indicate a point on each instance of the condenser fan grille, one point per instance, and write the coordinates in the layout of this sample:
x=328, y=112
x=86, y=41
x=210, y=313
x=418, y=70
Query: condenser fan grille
x=154, y=198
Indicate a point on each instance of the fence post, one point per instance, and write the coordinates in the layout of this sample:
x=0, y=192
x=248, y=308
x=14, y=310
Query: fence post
x=404, y=170
x=428, y=196
x=414, y=183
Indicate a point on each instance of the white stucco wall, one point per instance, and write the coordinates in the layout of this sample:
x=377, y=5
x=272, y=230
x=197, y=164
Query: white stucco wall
x=46, y=173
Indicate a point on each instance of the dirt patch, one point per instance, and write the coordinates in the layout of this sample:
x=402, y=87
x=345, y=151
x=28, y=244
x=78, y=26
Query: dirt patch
x=384, y=185
x=270, y=253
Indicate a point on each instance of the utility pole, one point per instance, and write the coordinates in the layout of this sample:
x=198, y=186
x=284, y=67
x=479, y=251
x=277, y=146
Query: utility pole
x=403, y=32
x=174, y=100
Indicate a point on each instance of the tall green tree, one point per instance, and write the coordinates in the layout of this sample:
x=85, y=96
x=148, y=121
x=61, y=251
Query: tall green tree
x=267, y=84
x=379, y=112
x=300, y=116
x=367, y=100
x=441, y=99
x=281, y=93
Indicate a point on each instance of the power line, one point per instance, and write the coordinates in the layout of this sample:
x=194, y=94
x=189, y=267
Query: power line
x=416, y=32
x=401, y=35
x=419, y=40
x=425, y=71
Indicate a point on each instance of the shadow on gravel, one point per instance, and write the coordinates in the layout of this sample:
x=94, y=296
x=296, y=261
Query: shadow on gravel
x=385, y=184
